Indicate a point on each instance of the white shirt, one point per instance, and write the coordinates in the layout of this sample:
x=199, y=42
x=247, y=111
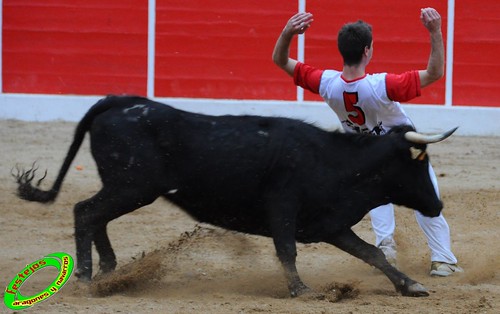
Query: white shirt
x=362, y=105
x=368, y=104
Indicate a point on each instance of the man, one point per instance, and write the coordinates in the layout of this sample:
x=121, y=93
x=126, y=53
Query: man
x=369, y=103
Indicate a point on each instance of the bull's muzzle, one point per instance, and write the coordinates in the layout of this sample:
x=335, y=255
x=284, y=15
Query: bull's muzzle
x=433, y=211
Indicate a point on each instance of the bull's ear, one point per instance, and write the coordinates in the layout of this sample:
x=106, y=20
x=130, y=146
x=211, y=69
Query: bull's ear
x=417, y=153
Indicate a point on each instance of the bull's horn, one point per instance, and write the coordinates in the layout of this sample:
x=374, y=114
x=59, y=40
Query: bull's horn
x=419, y=138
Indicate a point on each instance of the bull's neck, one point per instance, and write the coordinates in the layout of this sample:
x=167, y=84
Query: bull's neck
x=364, y=174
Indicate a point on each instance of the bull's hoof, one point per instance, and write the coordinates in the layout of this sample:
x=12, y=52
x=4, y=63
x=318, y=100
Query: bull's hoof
x=107, y=267
x=314, y=296
x=415, y=290
x=83, y=276
x=298, y=290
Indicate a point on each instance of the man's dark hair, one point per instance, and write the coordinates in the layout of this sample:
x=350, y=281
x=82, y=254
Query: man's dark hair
x=352, y=40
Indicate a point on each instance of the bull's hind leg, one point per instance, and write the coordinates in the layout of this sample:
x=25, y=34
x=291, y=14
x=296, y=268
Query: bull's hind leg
x=349, y=242
x=107, y=257
x=91, y=219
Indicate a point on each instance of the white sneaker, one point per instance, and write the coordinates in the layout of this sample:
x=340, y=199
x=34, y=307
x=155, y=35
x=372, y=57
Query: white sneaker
x=444, y=269
x=388, y=247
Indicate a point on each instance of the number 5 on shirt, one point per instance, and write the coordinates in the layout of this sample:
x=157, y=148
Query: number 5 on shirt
x=356, y=114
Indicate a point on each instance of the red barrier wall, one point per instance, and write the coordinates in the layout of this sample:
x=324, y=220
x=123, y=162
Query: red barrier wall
x=476, y=66
x=85, y=47
x=222, y=48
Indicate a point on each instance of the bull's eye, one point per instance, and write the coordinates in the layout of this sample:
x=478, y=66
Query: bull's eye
x=417, y=153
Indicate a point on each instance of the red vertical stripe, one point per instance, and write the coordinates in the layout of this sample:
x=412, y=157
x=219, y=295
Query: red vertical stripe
x=476, y=71
x=75, y=47
x=221, y=49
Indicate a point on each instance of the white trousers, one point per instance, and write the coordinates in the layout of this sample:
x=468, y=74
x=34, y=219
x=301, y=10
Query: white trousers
x=435, y=229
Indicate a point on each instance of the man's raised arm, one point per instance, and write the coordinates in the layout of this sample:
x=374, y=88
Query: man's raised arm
x=435, y=67
x=297, y=24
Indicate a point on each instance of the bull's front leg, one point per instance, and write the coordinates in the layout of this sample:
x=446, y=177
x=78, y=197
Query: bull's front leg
x=283, y=230
x=349, y=242
x=287, y=254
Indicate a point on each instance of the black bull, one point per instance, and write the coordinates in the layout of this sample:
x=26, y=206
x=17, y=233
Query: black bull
x=270, y=176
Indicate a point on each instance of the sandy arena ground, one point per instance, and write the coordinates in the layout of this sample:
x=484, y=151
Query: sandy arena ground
x=169, y=264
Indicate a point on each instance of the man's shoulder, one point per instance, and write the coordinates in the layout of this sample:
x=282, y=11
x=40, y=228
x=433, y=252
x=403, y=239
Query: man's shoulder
x=376, y=77
x=333, y=71
x=329, y=75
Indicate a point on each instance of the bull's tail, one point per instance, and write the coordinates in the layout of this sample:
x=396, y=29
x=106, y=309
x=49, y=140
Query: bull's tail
x=27, y=191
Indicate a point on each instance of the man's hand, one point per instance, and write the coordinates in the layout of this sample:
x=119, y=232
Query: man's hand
x=431, y=19
x=298, y=23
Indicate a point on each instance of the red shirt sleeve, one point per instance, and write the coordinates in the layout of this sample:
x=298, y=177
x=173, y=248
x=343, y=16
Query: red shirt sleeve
x=403, y=87
x=307, y=77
